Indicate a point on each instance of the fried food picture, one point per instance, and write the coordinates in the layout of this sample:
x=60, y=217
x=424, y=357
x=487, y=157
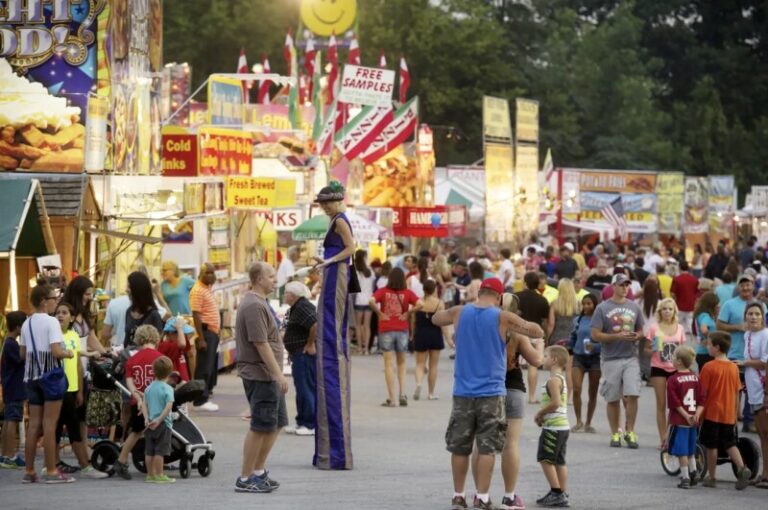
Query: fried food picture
x=392, y=182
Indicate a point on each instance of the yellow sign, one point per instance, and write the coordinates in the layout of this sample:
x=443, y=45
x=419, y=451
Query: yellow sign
x=255, y=193
x=527, y=120
x=638, y=217
x=671, y=183
x=499, y=210
x=325, y=18
x=527, y=185
x=496, y=123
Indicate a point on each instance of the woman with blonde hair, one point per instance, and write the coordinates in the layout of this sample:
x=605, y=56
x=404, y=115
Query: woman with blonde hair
x=664, y=338
x=562, y=313
x=175, y=288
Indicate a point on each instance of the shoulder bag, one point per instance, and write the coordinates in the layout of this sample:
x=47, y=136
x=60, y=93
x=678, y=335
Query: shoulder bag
x=54, y=382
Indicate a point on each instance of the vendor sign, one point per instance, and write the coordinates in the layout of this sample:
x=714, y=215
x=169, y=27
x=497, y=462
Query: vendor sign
x=273, y=135
x=721, y=204
x=669, y=206
x=639, y=209
x=438, y=221
x=617, y=181
x=526, y=120
x=499, y=192
x=225, y=152
x=179, y=152
x=225, y=101
x=368, y=86
x=284, y=220
x=496, y=123
x=696, y=205
x=254, y=193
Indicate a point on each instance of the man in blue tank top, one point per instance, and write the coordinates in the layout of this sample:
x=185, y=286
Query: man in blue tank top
x=478, y=386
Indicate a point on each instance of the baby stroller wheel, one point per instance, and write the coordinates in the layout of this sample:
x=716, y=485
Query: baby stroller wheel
x=104, y=456
x=701, y=461
x=184, y=467
x=669, y=463
x=204, y=465
x=750, y=454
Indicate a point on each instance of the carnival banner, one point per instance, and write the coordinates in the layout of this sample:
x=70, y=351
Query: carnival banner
x=526, y=121
x=438, y=221
x=273, y=135
x=639, y=209
x=403, y=125
x=617, y=181
x=527, y=185
x=670, y=189
x=361, y=131
x=722, y=204
x=696, y=205
x=48, y=56
x=395, y=180
x=499, y=191
x=496, y=123
x=225, y=151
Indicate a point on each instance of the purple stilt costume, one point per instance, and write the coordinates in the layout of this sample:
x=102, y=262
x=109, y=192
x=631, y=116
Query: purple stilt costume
x=333, y=441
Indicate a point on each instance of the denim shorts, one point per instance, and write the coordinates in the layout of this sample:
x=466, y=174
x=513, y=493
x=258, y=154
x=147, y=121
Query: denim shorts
x=14, y=411
x=394, y=341
x=268, y=411
x=36, y=395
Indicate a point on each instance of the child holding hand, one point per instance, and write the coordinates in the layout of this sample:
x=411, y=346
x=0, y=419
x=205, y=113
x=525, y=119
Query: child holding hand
x=156, y=406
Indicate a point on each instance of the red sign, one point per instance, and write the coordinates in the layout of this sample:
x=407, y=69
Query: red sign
x=438, y=221
x=225, y=151
x=179, y=153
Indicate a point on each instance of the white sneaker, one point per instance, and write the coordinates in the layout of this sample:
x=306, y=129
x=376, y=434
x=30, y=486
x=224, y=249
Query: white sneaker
x=208, y=406
x=434, y=397
x=289, y=429
x=91, y=472
x=304, y=431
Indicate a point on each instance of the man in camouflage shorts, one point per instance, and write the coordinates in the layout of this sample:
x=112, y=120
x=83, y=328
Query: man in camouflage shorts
x=479, y=393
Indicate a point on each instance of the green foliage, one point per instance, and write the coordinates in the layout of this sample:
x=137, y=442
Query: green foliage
x=657, y=84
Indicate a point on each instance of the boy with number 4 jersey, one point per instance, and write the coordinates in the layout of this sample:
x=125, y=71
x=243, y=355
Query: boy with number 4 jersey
x=684, y=399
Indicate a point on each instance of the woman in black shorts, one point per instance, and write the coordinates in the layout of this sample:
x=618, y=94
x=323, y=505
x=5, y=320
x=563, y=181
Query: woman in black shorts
x=586, y=360
x=427, y=339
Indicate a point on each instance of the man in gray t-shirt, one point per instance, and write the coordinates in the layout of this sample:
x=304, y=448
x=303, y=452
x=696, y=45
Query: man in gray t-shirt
x=618, y=325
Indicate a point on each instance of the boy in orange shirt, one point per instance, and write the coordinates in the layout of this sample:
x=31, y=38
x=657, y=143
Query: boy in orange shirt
x=720, y=384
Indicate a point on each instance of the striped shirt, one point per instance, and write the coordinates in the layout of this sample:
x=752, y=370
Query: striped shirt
x=201, y=300
x=557, y=420
x=46, y=331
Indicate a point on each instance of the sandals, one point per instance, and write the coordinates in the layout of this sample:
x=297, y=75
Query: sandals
x=589, y=429
x=579, y=427
x=388, y=403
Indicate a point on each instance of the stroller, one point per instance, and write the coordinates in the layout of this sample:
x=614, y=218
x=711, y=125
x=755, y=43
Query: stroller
x=186, y=437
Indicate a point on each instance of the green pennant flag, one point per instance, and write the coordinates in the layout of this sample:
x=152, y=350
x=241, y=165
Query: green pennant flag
x=293, y=94
x=317, y=126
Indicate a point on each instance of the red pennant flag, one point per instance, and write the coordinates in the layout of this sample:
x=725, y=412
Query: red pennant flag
x=302, y=89
x=333, y=75
x=405, y=80
x=354, y=52
x=242, y=67
x=397, y=131
x=382, y=60
x=287, y=52
x=263, y=95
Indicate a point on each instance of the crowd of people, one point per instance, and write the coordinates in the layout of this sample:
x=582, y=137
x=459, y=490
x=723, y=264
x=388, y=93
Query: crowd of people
x=691, y=325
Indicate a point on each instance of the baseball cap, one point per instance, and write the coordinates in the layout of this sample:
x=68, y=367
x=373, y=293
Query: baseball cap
x=746, y=278
x=568, y=246
x=620, y=279
x=493, y=284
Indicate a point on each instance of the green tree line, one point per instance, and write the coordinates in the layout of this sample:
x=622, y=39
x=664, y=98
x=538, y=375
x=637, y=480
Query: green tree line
x=651, y=84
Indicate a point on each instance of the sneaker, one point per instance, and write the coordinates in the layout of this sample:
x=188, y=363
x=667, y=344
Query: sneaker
x=59, y=477
x=616, y=440
x=7, y=463
x=305, y=431
x=685, y=483
x=121, y=470
x=631, y=439
x=208, y=406
x=433, y=397
x=92, y=473
x=554, y=499
x=479, y=504
x=18, y=461
x=694, y=478
x=290, y=429
x=545, y=496
x=272, y=483
x=512, y=504
x=458, y=503
x=66, y=468
x=709, y=482
x=742, y=478
x=417, y=393
x=149, y=479
x=164, y=479
x=29, y=478
x=403, y=401
x=255, y=484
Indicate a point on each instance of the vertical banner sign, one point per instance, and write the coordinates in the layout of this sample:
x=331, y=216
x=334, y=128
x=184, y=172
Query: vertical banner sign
x=225, y=102
x=696, y=205
x=527, y=120
x=527, y=186
x=96, y=133
x=670, y=188
x=499, y=188
x=496, y=124
x=721, y=204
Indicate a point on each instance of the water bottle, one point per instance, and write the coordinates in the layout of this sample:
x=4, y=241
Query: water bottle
x=587, y=345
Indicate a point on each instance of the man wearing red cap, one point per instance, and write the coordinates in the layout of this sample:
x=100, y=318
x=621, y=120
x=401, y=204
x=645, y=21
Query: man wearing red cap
x=478, y=386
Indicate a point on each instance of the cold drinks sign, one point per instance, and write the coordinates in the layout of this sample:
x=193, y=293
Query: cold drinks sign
x=367, y=86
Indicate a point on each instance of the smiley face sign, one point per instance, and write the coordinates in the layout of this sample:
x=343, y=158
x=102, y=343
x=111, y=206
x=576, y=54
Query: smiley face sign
x=326, y=17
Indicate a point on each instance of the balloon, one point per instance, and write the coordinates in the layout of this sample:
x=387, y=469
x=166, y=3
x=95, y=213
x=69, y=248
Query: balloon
x=435, y=220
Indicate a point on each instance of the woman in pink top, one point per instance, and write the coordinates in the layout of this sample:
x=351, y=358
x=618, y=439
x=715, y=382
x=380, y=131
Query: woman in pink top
x=664, y=338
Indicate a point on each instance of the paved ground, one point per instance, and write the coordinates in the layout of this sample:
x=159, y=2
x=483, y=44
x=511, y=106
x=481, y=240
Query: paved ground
x=400, y=462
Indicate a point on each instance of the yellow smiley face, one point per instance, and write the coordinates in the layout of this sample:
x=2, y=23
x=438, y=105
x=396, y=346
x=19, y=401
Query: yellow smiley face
x=326, y=17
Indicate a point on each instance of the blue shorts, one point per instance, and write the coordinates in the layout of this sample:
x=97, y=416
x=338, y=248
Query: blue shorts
x=682, y=441
x=394, y=341
x=14, y=411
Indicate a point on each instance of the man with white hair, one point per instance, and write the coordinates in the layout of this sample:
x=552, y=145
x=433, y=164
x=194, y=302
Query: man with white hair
x=299, y=340
x=287, y=269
